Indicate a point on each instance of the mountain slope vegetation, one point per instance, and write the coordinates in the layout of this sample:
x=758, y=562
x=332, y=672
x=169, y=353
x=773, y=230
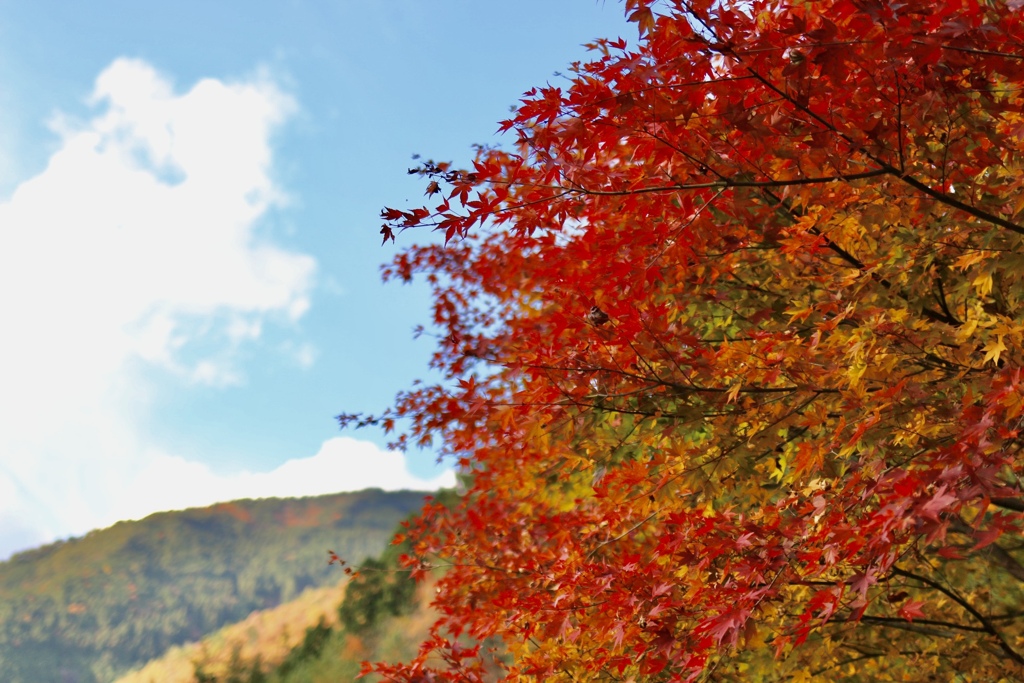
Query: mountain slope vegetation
x=89, y=609
x=263, y=640
x=322, y=636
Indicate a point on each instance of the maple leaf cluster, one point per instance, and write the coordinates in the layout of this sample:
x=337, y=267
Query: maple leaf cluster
x=731, y=338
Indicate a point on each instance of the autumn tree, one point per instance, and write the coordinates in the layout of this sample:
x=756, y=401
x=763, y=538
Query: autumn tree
x=731, y=344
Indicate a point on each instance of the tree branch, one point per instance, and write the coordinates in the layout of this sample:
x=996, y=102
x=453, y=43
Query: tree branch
x=725, y=183
x=987, y=625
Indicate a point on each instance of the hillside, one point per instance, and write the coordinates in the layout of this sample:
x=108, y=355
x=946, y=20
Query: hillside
x=265, y=637
x=89, y=609
x=298, y=642
x=322, y=636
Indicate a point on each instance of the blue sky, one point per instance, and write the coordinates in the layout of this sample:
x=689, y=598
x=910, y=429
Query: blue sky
x=189, y=255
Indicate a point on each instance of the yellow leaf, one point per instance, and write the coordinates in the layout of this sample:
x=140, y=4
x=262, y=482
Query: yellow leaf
x=983, y=283
x=964, y=333
x=778, y=473
x=899, y=314
x=965, y=261
x=855, y=372
x=993, y=349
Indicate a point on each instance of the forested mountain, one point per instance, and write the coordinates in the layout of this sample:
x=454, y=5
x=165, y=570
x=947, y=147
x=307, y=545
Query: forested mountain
x=88, y=609
x=322, y=636
x=262, y=641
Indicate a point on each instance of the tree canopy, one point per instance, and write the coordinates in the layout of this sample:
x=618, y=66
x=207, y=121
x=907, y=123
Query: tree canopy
x=730, y=342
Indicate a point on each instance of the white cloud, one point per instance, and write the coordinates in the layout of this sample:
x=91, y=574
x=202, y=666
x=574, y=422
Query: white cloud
x=137, y=246
x=342, y=464
x=158, y=481
x=304, y=355
x=138, y=237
